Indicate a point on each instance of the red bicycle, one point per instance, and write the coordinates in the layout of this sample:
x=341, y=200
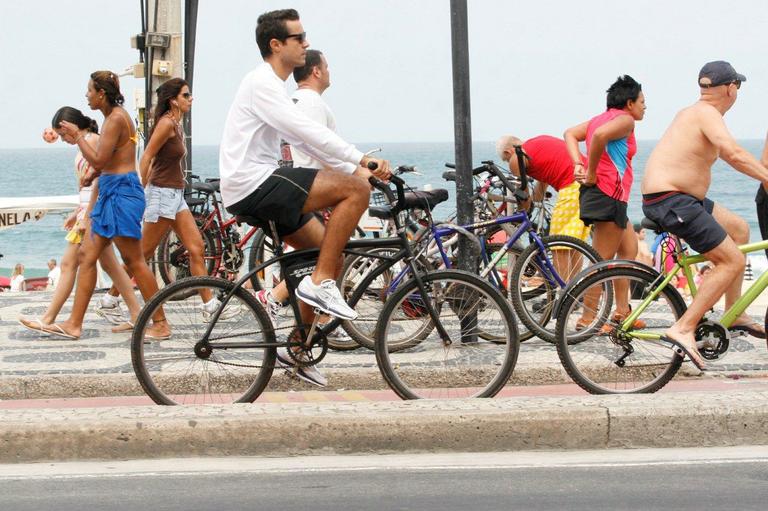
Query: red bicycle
x=223, y=246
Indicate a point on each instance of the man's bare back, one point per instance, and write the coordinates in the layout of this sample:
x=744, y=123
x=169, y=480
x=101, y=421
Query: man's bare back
x=683, y=158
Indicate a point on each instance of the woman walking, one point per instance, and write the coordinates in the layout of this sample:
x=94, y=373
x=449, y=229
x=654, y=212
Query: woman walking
x=116, y=214
x=607, y=179
x=162, y=172
x=77, y=224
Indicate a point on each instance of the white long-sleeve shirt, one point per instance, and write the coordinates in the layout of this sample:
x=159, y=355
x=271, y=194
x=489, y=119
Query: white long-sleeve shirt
x=261, y=114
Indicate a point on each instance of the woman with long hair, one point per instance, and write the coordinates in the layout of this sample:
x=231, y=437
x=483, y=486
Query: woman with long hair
x=18, y=283
x=76, y=225
x=607, y=178
x=162, y=173
x=117, y=212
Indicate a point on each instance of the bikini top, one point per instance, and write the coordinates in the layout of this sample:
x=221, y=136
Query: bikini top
x=131, y=138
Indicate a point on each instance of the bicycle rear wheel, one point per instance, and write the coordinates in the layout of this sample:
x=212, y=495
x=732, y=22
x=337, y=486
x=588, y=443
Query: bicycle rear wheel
x=464, y=365
x=172, y=257
x=179, y=371
x=601, y=357
x=532, y=290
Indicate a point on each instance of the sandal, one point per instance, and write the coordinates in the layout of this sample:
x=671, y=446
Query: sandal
x=125, y=326
x=58, y=331
x=683, y=350
x=750, y=329
x=36, y=325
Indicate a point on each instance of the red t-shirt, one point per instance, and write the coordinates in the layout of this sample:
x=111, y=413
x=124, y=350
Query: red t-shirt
x=549, y=161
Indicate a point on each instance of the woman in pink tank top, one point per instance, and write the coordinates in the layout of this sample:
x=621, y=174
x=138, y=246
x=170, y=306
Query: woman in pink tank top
x=607, y=179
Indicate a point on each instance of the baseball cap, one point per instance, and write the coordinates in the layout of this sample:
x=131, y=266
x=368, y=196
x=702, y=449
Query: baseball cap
x=718, y=73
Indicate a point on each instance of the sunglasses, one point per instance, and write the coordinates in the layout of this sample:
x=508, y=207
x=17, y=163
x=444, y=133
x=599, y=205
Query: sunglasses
x=186, y=95
x=299, y=37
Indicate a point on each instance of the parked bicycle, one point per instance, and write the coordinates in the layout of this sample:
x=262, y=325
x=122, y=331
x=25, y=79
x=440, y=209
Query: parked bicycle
x=530, y=277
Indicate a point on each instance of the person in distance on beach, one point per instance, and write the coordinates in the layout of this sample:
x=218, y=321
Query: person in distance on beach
x=77, y=226
x=677, y=178
x=117, y=212
x=606, y=180
x=546, y=159
x=252, y=184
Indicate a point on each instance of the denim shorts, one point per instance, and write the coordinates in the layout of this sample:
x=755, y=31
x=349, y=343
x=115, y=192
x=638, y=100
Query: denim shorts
x=163, y=202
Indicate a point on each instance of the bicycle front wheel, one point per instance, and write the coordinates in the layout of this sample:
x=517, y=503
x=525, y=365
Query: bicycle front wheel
x=599, y=355
x=533, y=290
x=463, y=364
x=182, y=370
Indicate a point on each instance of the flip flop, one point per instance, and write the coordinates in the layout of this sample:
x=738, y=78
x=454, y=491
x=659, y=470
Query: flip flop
x=749, y=328
x=682, y=351
x=125, y=326
x=39, y=328
x=60, y=332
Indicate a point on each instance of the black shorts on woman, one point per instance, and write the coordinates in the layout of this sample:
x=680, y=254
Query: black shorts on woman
x=281, y=199
x=686, y=217
x=596, y=206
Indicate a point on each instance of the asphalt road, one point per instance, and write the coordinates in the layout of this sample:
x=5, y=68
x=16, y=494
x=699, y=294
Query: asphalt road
x=679, y=479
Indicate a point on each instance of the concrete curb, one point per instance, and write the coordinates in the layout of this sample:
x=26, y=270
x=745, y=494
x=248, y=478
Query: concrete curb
x=590, y=422
x=54, y=386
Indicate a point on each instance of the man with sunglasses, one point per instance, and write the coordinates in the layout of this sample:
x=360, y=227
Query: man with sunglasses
x=252, y=184
x=675, y=184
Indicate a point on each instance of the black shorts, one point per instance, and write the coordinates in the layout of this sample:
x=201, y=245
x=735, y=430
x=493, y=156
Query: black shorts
x=280, y=198
x=687, y=217
x=596, y=206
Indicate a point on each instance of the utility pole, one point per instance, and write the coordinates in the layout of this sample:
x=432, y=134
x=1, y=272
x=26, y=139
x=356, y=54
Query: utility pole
x=161, y=47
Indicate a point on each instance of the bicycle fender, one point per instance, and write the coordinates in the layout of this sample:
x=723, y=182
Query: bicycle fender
x=601, y=266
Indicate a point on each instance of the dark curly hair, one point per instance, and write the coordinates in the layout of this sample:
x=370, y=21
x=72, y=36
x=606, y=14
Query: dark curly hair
x=624, y=89
x=108, y=82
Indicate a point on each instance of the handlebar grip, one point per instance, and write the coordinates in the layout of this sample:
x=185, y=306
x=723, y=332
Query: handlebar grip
x=449, y=175
x=450, y=165
x=383, y=188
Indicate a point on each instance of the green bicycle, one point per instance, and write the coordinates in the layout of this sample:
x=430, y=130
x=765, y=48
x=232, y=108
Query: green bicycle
x=604, y=354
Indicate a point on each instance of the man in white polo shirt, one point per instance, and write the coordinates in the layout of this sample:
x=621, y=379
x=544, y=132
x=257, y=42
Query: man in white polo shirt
x=252, y=183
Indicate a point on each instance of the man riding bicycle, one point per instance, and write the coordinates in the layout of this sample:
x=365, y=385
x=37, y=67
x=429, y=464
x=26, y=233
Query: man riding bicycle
x=252, y=184
x=676, y=181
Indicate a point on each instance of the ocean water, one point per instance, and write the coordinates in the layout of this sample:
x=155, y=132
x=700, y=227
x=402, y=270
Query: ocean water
x=49, y=171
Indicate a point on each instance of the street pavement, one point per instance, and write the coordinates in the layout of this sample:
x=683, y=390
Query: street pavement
x=637, y=479
x=62, y=400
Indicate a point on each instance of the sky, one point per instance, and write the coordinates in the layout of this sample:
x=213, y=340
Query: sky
x=536, y=67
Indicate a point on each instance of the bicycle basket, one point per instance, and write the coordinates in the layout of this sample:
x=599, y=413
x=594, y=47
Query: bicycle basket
x=378, y=199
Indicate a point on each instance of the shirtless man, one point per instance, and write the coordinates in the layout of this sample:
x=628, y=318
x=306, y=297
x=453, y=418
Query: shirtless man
x=676, y=181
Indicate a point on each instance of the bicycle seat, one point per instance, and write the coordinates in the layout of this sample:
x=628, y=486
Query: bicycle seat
x=206, y=187
x=195, y=201
x=425, y=199
x=250, y=220
x=647, y=223
x=381, y=212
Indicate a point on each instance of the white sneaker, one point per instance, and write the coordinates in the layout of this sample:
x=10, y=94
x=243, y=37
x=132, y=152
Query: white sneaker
x=309, y=374
x=272, y=306
x=112, y=313
x=325, y=297
x=340, y=335
x=211, y=307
